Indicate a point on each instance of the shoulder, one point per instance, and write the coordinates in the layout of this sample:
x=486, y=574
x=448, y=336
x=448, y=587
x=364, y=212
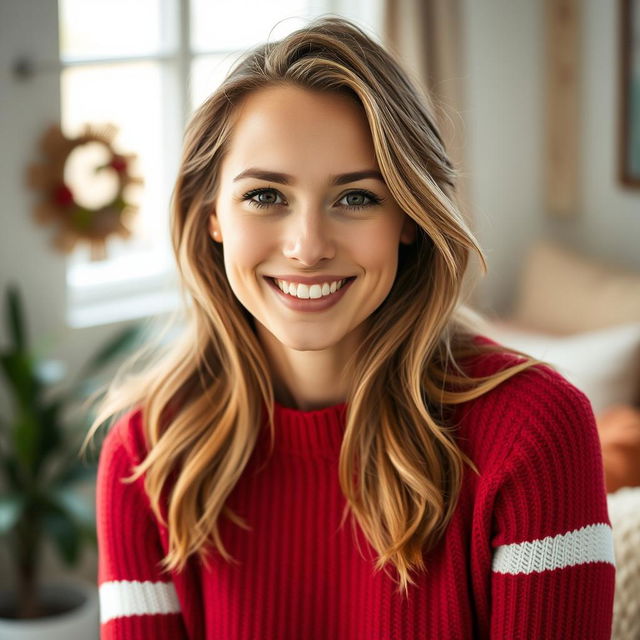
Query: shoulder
x=126, y=437
x=533, y=409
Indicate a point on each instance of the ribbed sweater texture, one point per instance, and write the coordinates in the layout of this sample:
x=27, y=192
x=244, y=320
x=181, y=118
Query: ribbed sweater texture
x=527, y=554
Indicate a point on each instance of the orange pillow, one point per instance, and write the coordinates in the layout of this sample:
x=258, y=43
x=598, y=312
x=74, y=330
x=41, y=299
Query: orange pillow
x=619, y=430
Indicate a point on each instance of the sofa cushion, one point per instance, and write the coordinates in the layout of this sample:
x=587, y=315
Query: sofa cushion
x=562, y=292
x=604, y=364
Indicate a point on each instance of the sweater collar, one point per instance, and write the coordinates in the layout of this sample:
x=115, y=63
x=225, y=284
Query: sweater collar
x=316, y=432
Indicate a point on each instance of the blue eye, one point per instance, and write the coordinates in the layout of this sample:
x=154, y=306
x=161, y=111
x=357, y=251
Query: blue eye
x=361, y=197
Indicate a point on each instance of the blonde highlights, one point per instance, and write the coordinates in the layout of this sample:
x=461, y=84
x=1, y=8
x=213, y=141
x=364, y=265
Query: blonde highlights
x=400, y=468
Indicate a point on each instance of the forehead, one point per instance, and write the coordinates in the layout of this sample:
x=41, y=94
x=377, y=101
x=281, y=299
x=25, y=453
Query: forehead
x=291, y=129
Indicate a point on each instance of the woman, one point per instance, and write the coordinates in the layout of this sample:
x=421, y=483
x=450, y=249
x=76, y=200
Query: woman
x=328, y=374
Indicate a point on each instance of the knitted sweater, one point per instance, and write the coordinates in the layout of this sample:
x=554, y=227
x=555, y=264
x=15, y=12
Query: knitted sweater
x=527, y=554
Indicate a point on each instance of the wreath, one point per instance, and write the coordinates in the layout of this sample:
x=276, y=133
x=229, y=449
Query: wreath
x=75, y=221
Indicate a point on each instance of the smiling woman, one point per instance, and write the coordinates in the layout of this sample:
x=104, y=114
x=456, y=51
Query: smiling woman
x=330, y=370
x=308, y=234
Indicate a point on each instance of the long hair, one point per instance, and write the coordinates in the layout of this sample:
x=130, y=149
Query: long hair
x=400, y=468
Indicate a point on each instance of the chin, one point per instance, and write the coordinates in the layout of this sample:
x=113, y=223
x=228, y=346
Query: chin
x=307, y=342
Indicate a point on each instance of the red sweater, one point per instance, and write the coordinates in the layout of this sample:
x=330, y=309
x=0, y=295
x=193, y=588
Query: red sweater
x=528, y=553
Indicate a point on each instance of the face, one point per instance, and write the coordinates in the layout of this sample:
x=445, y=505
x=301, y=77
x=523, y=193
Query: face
x=328, y=238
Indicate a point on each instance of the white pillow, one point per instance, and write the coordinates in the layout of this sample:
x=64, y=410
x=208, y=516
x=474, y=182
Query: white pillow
x=604, y=364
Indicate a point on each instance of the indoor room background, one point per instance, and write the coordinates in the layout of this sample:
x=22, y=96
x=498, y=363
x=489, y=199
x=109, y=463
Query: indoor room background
x=531, y=97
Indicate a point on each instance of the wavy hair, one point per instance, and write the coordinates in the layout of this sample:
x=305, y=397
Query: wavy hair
x=202, y=397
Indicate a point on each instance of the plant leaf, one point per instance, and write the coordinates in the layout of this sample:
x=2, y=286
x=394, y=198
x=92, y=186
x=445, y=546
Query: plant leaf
x=64, y=531
x=10, y=469
x=11, y=508
x=15, y=318
x=26, y=434
x=19, y=371
x=50, y=430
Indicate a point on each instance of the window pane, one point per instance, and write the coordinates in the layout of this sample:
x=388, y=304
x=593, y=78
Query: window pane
x=100, y=28
x=130, y=97
x=207, y=72
x=219, y=25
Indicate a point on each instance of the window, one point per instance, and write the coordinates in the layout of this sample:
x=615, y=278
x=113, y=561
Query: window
x=143, y=66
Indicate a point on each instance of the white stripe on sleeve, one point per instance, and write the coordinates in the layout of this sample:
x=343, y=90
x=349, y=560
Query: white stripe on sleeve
x=129, y=598
x=593, y=543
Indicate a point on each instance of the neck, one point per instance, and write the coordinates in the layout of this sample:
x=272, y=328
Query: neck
x=308, y=380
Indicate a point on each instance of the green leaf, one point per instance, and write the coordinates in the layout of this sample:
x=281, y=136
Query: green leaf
x=51, y=438
x=64, y=532
x=11, y=508
x=15, y=318
x=26, y=436
x=11, y=473
x=19, y=371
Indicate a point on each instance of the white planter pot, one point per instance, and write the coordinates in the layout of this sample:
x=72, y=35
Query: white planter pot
x=79, y=623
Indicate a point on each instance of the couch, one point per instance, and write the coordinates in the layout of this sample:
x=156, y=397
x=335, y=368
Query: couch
x=583, y=316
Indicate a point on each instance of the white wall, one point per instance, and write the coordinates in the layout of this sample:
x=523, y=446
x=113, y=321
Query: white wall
x=29, y=27
x=609, y=228
x=505, y=67
x=504, y=101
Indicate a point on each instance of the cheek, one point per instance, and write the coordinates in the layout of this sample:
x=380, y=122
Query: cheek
x=376, y=248
x=244, y=246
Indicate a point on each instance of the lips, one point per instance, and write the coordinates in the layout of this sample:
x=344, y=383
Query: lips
x=311, y=280
x=309, y=304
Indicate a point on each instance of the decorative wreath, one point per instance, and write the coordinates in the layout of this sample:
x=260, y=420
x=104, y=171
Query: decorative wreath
x=74, y=221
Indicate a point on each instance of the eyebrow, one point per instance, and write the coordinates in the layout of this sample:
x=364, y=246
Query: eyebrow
x=285, y=178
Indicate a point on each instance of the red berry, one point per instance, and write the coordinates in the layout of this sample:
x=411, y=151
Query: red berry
x=118, y=163
x=62, y=195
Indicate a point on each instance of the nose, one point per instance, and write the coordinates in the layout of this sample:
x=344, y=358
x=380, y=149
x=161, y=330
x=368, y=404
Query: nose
x=308, y=239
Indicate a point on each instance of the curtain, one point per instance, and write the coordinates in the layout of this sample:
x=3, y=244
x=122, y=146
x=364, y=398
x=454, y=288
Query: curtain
x=428, y=38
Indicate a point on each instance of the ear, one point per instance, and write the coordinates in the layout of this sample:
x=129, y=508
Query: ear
x=214, y=228
x=409, y=230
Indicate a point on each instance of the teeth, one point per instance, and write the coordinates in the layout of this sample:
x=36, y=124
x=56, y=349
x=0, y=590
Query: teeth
x=305, y=291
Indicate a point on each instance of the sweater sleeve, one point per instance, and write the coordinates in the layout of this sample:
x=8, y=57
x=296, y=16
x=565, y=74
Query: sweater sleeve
x=137, y=599
x=553, y=567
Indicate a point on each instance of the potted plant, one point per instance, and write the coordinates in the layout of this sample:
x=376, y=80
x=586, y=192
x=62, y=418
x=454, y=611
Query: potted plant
x=40, y=467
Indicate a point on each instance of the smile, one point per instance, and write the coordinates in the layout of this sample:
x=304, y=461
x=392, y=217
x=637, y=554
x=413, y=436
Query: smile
x=300, y=296
x=306, y=291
